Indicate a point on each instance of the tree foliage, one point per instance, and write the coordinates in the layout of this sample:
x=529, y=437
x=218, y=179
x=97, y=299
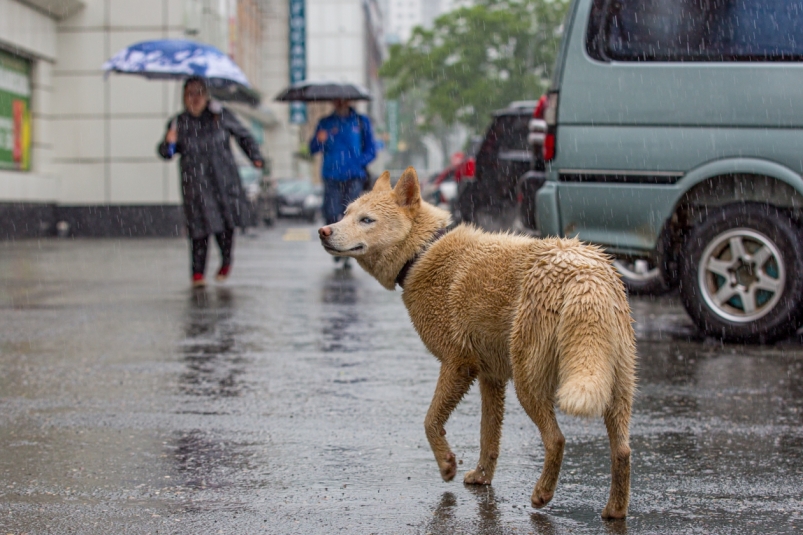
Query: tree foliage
x=477, y=59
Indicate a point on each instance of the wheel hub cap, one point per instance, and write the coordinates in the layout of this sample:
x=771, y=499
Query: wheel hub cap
x=741, y=275
x=744, y=274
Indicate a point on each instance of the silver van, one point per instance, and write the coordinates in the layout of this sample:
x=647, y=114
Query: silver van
x=675, y=140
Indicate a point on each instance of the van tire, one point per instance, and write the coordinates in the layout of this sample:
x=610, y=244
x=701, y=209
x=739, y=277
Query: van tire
x=753, y=229
x=651, y=283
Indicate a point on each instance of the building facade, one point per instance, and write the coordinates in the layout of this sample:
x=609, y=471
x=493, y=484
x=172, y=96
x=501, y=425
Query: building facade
x=77, y=151
x=404, y=15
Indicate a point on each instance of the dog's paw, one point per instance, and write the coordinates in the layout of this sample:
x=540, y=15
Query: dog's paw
x=448, y=467
x=477, y=477
x=540, y=498
x=613, y=513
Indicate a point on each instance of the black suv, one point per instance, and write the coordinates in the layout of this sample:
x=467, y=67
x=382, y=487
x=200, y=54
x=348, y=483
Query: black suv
x=502, y=158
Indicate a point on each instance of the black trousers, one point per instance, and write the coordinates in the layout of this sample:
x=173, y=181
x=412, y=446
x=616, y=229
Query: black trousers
x=200, y=247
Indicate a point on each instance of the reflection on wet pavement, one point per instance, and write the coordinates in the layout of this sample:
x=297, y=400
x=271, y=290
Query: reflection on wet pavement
x=292, y=400
x=214, y=362
x=339, y=297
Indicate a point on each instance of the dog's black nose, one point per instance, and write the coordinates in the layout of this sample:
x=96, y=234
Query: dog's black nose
x=324, y=232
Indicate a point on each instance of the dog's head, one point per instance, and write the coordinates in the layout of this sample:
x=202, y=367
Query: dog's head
x=379, y=226
x=376, y=220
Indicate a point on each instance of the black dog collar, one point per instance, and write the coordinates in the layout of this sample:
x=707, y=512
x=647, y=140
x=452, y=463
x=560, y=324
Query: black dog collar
x=440, y=233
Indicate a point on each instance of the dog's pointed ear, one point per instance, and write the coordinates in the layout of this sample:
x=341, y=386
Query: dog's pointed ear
x=407, y=190
x=383, y=182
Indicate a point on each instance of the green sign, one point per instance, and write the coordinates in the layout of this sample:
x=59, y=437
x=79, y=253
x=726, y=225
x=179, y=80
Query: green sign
x=15, y=112
x=298, y=56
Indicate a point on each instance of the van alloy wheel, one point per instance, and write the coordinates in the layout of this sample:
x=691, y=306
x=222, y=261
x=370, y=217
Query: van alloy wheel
x=741, y=275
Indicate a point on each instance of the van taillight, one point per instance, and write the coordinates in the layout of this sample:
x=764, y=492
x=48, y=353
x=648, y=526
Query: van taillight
x=548, y=148
x=538, y=112
x=551, y=119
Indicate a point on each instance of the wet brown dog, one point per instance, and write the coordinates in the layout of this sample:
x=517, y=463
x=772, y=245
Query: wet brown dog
x=551, y=314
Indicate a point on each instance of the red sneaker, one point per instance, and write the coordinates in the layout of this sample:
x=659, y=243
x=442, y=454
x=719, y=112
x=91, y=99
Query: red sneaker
x=198, y=280
x=223, y=273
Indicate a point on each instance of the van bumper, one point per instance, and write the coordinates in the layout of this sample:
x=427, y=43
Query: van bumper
x=528, y=186
x=547, y=210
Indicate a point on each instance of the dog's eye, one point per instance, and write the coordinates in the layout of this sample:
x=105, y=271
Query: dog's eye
x=366, y=220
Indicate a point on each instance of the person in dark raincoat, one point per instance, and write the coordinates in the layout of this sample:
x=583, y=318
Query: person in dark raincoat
x=214, y=199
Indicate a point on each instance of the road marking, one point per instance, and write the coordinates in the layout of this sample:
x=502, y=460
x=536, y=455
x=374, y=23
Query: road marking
x=296, y=234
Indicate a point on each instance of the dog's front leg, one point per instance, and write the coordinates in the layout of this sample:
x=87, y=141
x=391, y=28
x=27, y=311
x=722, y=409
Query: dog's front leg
x=493, y=410
x=453, y=383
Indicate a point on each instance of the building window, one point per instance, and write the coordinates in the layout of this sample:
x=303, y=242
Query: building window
x=15, y=112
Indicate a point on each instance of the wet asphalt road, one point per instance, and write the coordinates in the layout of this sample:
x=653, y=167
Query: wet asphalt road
x=292, y=400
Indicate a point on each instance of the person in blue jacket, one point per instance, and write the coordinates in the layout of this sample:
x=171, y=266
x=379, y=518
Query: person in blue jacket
x=347, y=143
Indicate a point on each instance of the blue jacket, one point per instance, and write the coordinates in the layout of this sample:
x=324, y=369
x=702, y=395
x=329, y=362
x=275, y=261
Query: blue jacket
x=348, y=148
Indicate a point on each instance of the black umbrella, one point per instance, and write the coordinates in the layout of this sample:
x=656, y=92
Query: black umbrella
x=308, y=91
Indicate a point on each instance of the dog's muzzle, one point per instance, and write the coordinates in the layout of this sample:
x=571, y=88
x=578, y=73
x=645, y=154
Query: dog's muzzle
x=324, y=233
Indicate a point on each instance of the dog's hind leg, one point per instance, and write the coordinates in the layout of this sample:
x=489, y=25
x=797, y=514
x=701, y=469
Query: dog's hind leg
x=453, y=383
x=542, y=413
x=493, y=411
x=617, y=421
x=534, y=362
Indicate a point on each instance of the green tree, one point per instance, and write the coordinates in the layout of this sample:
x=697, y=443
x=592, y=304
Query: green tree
x=410, y=135
x=477, y=59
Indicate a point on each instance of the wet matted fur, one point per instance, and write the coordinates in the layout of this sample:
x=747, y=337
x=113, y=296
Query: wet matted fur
x=549, y=313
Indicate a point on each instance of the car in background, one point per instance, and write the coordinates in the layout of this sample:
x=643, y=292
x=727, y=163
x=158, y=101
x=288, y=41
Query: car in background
x=260, y=192
x=503, y=156
x=674, y=132
x=441, y=188
x=299, y=198
x=430, y=186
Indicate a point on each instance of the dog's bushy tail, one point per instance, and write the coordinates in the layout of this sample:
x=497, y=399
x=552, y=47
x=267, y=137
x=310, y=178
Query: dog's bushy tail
x=587, y=347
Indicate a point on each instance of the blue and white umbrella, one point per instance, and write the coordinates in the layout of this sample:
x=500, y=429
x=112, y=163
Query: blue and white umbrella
x=176, y=59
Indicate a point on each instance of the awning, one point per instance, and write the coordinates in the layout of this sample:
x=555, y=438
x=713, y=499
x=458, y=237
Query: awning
x=263, y=116
x=58, y=9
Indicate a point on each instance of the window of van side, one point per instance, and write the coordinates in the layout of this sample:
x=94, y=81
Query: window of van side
x=691, y=30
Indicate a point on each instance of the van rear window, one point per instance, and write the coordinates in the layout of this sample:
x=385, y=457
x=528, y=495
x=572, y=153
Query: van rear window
x=696, y=30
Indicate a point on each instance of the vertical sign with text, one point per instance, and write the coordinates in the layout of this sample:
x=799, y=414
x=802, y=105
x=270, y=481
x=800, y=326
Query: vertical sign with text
x=298, y=56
